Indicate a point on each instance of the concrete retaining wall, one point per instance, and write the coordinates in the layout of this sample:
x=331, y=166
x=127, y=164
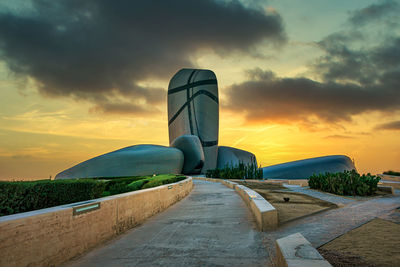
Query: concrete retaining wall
x=300, y=182
x=265, y=214
x=295, y=251
x=386, y=189
x=389, y=177
x=54, y=235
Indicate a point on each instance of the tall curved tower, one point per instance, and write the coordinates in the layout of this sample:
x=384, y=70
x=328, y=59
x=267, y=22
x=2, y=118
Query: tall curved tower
x=193, y=109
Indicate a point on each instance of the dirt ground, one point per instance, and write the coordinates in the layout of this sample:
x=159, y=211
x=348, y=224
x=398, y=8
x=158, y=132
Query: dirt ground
x=261, y=185
x=299, y=205
x=375, y=243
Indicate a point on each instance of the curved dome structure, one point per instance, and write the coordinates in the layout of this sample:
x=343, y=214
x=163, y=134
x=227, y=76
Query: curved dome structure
x=193, y=110
x=233, y=156
x=129, y=161
x=303, y=169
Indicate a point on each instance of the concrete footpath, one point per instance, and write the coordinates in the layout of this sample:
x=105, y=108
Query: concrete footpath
x=326, y=226
x=212, y=226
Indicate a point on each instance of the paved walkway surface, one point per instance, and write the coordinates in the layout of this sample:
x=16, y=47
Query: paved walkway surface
x=213, y=227
x=210, y=227
x=326, y=226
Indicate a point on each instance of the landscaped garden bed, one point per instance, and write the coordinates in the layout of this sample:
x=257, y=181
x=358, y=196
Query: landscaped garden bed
x=347, y=183
x=297, y=205
x=22, y=196
x=375, y=243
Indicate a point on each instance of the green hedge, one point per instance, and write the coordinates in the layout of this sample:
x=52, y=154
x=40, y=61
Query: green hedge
x=240, y=171
x=345, y=183
x=120, y=185
x=16, y=197
x=163, y=179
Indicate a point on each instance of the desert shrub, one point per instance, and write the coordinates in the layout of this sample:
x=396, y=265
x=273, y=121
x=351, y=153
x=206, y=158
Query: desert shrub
x=18, y=197
x=239, y=171
x=392, y=173
x=345, y=183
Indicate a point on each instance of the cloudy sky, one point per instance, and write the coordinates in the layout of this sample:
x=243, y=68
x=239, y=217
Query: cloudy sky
x=297, y=79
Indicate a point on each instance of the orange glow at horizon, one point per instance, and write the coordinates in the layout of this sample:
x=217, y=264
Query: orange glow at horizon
x=45, y=145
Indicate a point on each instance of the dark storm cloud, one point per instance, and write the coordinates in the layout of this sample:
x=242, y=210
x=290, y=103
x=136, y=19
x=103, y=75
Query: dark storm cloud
x=366, y=66
x=271, y=98
x=354, y=79
x=119, y=108
x=88, y=48
x=394, y=125
x=373, y=12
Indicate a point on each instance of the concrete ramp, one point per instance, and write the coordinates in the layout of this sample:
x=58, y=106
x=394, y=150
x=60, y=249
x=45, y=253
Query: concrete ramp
x=212, y=226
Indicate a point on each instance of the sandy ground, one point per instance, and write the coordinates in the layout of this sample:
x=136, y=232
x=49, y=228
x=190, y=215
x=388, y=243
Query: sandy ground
x=261, y=185
x=299, y=205
x=375, y=243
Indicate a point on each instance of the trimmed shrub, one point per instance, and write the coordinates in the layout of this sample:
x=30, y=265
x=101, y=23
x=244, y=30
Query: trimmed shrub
x=240, y=171
x=120, y=185
x=163, y=179
x=136, y=185
x=345, y=183
x=18, y=197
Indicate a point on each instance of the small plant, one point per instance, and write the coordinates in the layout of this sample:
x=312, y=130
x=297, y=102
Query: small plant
x=345, y=183
x=239, y=171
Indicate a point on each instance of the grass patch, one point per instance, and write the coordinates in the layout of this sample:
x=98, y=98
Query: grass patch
x=22, y=196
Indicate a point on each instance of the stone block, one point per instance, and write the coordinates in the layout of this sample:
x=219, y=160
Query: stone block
x=295, y=250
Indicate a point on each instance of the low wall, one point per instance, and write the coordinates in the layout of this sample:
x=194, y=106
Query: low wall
x=54, y=235
x=294, y=250
x=265, y=214
x=389, y=177
x=386, y=189
x=300, y=182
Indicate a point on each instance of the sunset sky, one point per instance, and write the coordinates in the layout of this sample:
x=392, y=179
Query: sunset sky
x=297, y=79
